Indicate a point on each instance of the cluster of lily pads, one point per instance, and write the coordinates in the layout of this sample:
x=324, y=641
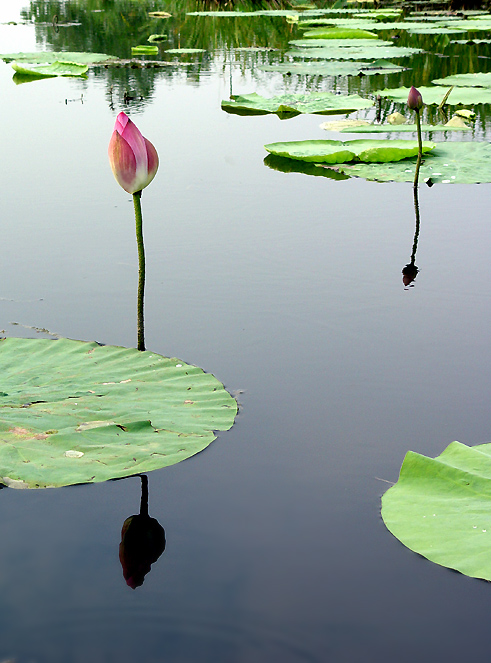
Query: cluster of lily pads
x=337, y=45
x=439, y=507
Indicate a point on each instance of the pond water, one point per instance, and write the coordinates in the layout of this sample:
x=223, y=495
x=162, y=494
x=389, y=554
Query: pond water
x=288, y=289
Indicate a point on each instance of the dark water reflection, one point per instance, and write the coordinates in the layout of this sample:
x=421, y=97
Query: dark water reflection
x=285, y=286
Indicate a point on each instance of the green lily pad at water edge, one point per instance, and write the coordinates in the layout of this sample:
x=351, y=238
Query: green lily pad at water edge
x=74, y=412
x=465, y=162
x=435, y=95
x=290, y=105
x=440, y=508
x=336, y=151
x=49, y=57
x=50, y=70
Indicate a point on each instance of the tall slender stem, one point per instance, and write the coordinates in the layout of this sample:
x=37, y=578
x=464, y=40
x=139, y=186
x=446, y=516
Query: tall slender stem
x=141, y=269
x=420, y=149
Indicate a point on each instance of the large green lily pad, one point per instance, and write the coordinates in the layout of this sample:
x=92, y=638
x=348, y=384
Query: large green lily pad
x=50, y=70
x=466, y=162
x=290, y=105
x=435, y=95
x=465, y=80
x=336, y=151
x=75, y=412
x=441, y=508
x=49, y=57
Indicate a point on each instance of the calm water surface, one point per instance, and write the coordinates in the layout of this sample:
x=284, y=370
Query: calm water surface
x=288, y=288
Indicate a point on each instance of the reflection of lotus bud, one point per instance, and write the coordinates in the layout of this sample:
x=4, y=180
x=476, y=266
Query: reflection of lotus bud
x=409, y=273
x=414, y=99
x=142, y=543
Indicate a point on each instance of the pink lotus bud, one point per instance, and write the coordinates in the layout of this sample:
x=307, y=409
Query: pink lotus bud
x=133, y=158
x=414, y=99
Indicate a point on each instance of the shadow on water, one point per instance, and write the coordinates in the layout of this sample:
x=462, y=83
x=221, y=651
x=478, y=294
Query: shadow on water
x=142, y=542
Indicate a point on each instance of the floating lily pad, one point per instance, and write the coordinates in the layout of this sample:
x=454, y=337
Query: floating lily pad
x=336, y=68
x=337, y=43
x=454, y=162
x=290, y=105
x=50, y=70
x=465, y=80
x=49, y=57
x=159, y=14
x=354, y=53
x=185, y=51
x=346, y=33
x=144, y=50
x=157, y=38
x=336, y=151
x=122, y=411
x=439, y=508
x=435, y=95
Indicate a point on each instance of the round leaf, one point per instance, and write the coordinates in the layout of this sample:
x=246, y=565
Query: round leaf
x=75, y=412
x=439, y=508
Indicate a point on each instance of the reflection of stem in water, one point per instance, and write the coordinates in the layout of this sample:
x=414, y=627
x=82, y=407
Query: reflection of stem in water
x=230, y=74
x=144, y=497
x=410, y=271
x=141, y=269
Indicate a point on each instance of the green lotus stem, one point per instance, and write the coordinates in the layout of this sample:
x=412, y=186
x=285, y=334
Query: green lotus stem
x=420, y=148
x=141, y=269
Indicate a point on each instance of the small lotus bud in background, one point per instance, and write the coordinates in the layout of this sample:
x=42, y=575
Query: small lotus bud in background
x=414, y=99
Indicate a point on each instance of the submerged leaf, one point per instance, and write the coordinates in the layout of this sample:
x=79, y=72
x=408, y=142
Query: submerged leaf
x=74, y=412
x=439, y=508
x=289, y=105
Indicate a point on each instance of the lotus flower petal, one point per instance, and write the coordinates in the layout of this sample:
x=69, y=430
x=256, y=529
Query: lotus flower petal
x=133, y=158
